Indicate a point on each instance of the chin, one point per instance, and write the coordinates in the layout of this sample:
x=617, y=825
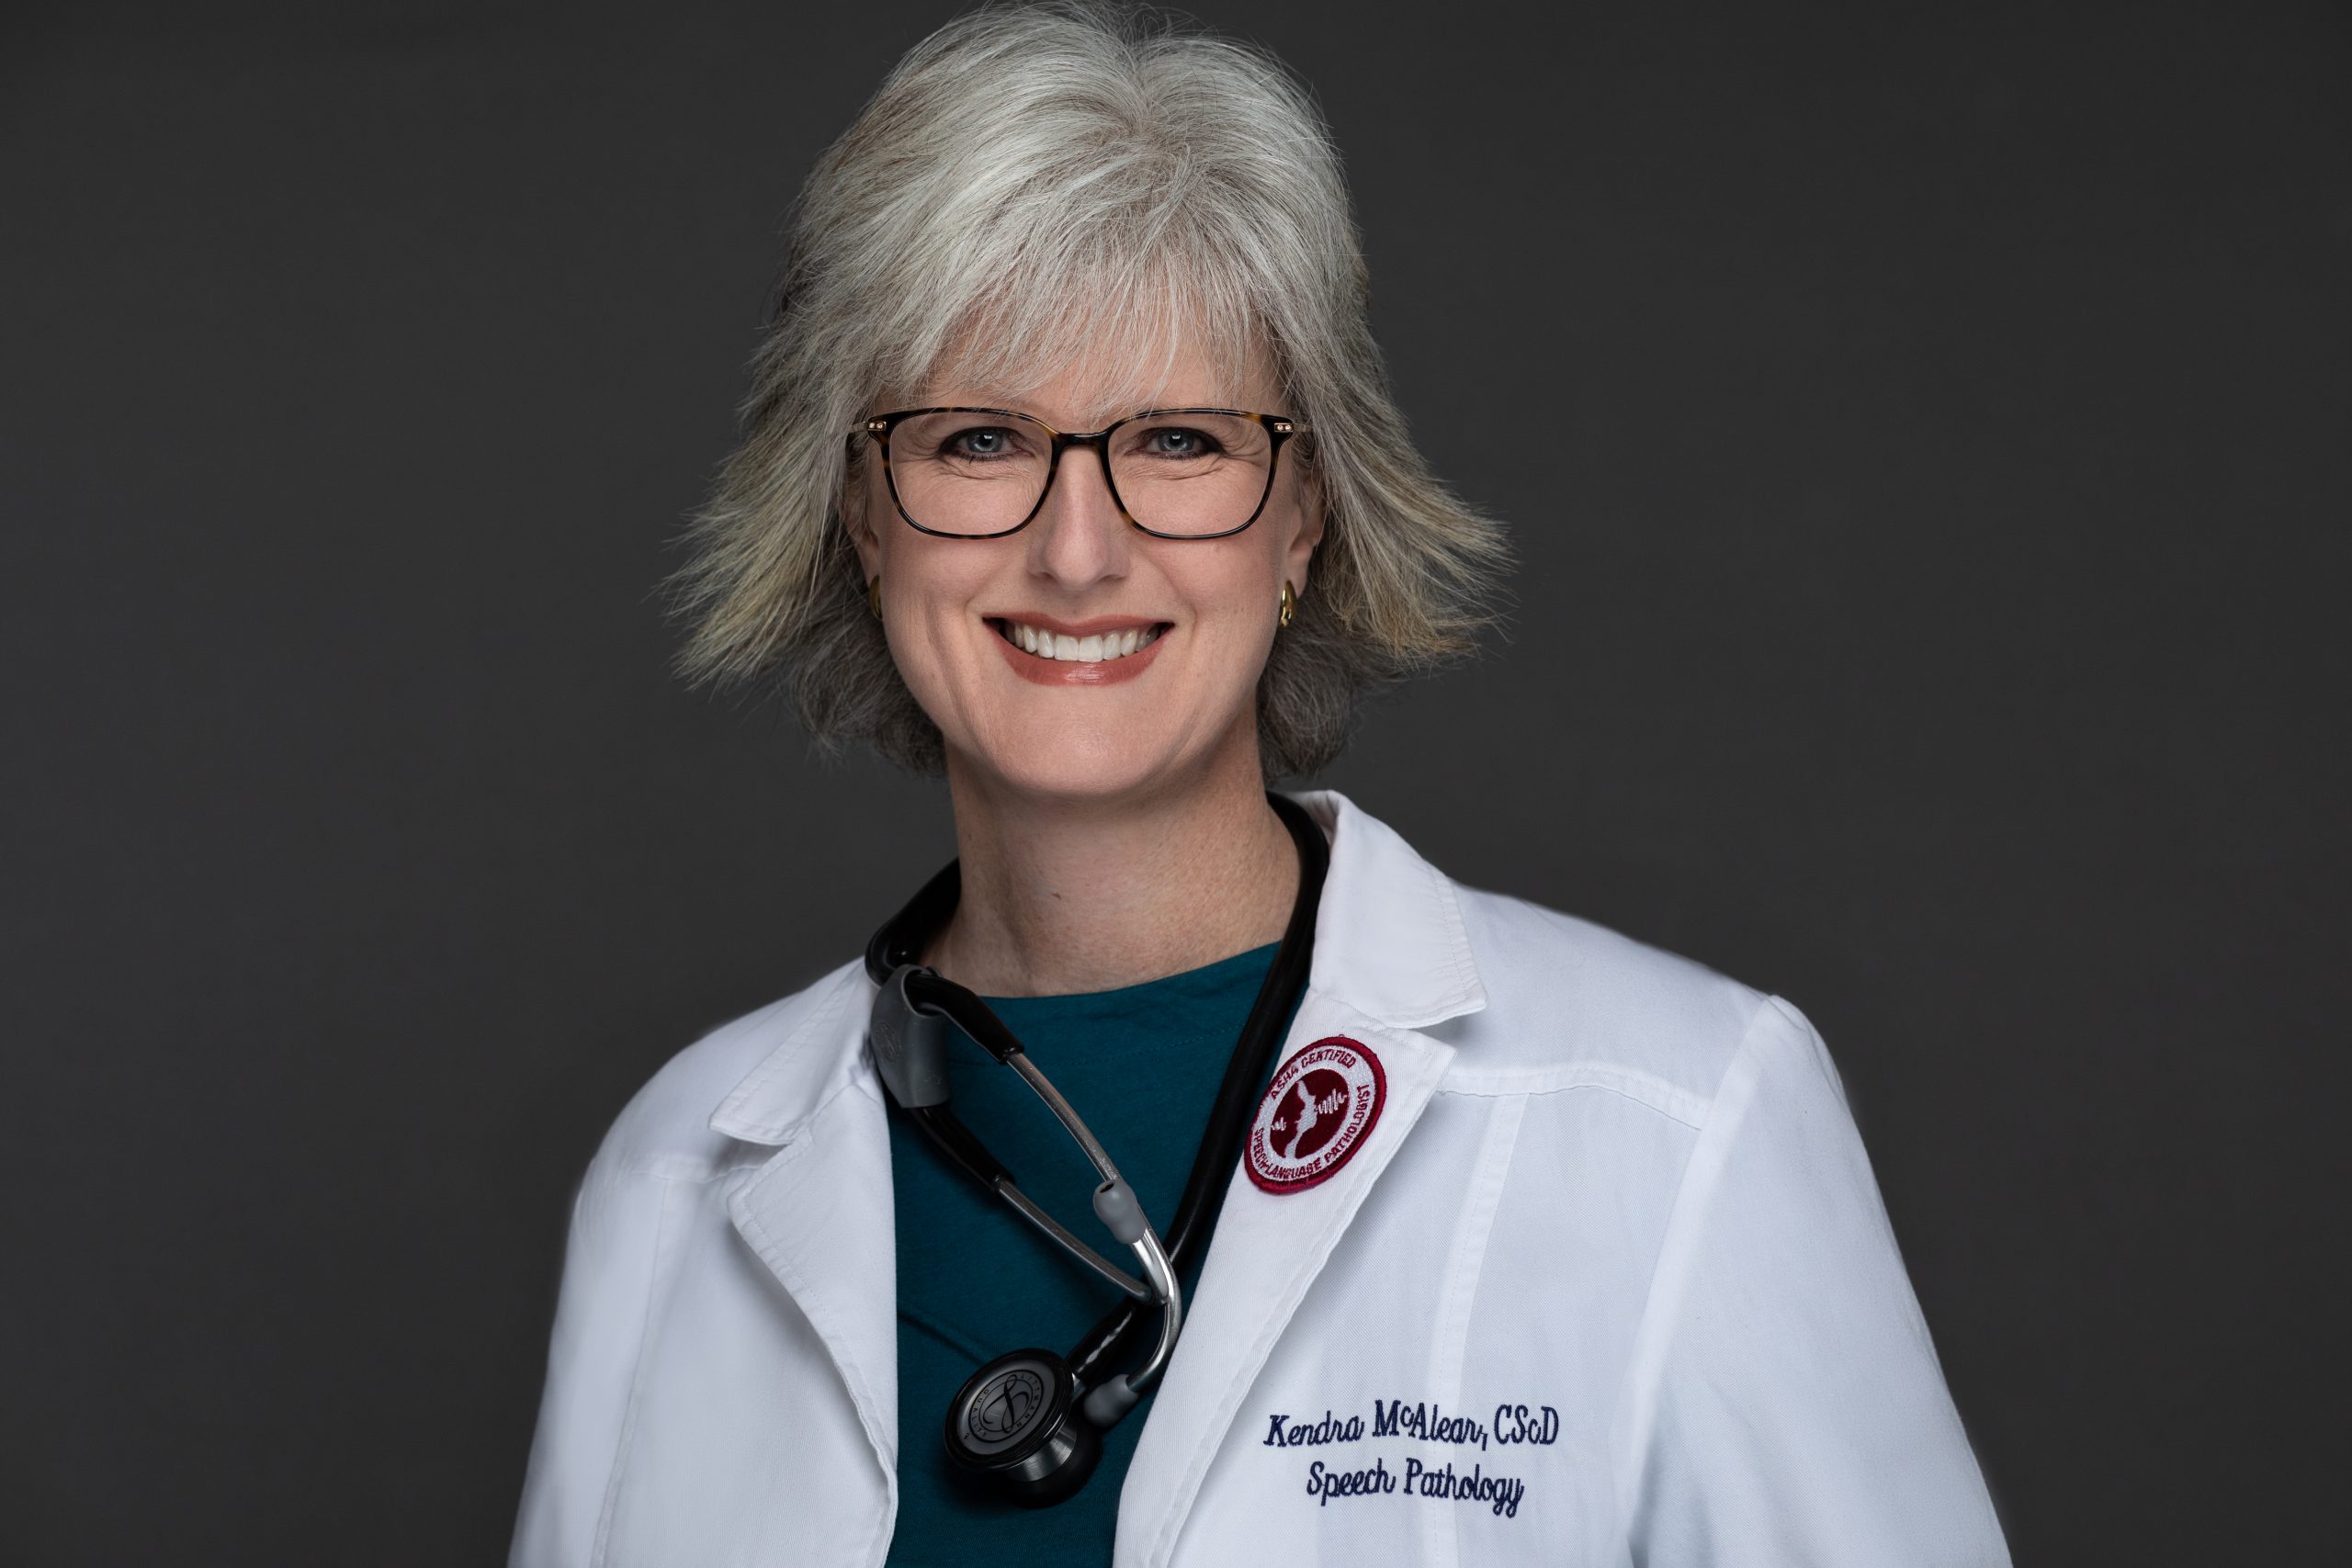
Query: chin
x=1078, y=776
x=1074, y=762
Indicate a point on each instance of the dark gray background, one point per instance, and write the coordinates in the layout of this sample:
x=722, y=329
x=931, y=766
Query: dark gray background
x=1923, y=432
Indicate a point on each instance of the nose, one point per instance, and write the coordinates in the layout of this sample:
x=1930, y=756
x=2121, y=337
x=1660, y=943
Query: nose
x=1078, y=537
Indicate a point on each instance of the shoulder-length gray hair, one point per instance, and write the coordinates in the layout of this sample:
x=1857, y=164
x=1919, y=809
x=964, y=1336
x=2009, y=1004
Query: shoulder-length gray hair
x=1028, y=180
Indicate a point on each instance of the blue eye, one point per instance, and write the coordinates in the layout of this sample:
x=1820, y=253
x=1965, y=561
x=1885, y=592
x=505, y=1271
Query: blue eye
x=981, y=442
x=1176, y=441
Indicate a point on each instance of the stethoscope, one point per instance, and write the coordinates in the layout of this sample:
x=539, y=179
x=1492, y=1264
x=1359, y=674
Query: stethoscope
x=1032, y=1419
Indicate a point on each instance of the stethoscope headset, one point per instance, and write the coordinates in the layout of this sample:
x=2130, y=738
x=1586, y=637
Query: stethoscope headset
x=1031, y=1418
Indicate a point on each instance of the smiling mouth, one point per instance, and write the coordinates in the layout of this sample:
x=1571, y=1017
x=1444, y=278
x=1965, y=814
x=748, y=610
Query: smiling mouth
x=1064, y=649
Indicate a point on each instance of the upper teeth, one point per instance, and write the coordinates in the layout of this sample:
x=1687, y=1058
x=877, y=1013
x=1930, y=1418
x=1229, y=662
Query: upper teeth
x=1084, y=649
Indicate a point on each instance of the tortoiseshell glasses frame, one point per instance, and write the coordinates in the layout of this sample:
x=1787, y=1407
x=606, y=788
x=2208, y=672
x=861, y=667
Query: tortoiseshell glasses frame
x=1279, y=429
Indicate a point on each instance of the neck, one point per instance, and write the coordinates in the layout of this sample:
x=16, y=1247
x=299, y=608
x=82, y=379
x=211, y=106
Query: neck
x=1063, y=894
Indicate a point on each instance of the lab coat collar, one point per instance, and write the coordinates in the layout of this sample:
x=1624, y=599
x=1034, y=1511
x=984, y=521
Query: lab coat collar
x=1389, y=940
x=818, y=1055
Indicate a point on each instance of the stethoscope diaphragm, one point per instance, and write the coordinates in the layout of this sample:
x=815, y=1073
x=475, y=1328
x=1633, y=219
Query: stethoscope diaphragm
x=1018, y=1418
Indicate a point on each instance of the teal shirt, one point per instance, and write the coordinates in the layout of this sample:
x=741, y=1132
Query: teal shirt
x=1141, y=1065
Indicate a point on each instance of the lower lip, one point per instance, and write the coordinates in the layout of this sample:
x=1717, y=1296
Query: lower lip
x=1076, y=672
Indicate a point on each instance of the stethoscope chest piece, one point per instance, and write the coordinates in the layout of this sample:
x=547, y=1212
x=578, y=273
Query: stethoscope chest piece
x=1017, y=1418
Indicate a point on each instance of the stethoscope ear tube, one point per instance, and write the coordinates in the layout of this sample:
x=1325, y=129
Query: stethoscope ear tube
x=1159, y=1270
x=909, y=1045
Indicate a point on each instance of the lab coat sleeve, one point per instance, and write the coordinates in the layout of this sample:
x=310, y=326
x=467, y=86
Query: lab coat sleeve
x=609, y=1264
x=1785, y=1404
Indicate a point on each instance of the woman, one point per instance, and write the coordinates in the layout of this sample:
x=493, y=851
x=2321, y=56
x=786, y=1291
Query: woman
x=1530, y=1243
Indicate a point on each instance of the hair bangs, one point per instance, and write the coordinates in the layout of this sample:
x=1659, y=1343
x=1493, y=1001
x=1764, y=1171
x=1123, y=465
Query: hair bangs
x=1091, y=311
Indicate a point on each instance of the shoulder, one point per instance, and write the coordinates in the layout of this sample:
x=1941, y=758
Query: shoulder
x=1570, y=1002
x=666, y=1130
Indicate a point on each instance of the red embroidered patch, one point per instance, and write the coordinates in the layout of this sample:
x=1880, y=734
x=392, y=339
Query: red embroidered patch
x=1317, y=1114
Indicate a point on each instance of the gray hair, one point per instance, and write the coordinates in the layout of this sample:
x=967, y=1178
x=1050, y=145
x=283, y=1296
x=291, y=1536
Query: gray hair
x=1033, y=179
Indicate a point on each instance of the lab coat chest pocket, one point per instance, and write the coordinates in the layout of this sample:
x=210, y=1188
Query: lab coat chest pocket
x=1381, y=1430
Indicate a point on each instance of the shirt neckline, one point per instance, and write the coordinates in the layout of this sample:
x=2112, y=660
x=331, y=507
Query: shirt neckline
x=1205, y=982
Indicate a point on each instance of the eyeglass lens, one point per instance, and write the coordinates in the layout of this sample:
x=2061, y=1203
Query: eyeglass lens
x=984, y=473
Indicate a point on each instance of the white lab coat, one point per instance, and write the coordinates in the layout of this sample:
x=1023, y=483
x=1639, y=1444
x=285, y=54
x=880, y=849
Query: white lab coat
x=1608, y=1283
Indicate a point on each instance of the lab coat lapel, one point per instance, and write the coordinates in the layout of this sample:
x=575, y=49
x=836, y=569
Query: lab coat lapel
x=819, y=1212
x=1266, y=1252
x=1390, y=956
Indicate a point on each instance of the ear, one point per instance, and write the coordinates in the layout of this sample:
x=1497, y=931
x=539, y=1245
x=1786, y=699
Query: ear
x=856, y=514
x=1301, y=552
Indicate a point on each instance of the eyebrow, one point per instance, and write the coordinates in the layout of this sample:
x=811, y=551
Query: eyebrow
x=1103, y=422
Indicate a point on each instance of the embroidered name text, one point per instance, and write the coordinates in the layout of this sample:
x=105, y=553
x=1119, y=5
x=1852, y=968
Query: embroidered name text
x=1285, y=1432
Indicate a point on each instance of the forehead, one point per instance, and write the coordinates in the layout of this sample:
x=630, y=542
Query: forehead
x=1084, y=360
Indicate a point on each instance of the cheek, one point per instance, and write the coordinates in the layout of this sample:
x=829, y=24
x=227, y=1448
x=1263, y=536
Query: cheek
x=931, y=620
x=929, y=588
x=1235, y=623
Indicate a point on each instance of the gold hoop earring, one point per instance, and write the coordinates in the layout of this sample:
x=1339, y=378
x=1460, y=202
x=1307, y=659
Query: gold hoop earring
x=874, y=596
x=1290, y=604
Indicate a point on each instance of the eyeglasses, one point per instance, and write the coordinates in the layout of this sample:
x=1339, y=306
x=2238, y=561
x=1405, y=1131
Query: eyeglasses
x=970, y=473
